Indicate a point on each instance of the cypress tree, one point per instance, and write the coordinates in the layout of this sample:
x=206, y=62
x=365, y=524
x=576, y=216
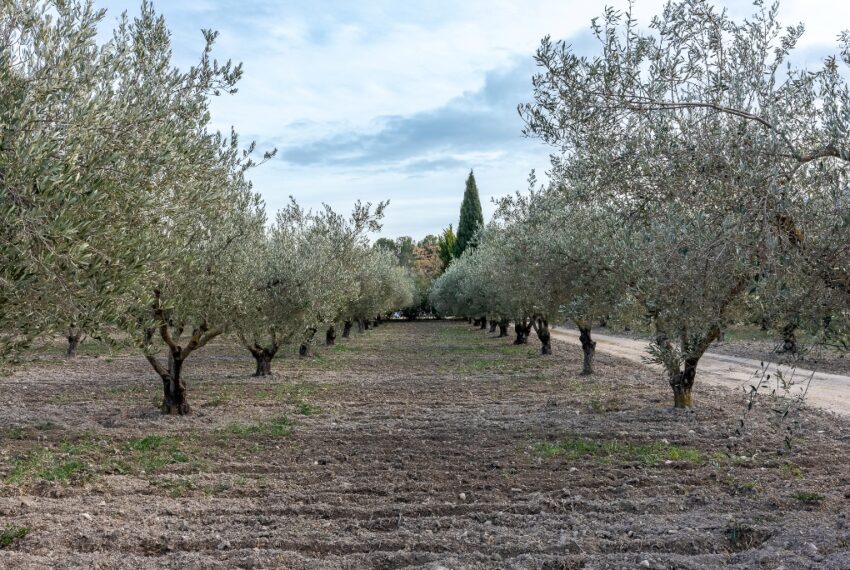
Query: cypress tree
x=471, y=217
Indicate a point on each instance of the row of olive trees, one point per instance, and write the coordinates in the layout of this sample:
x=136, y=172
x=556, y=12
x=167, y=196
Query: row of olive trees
x=699, y=178
x=122, y=208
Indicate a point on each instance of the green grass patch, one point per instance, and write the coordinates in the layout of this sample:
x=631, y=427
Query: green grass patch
x=16, y=432
x=790, y=471
x=81, y=459
x=278, y=426
x=809, y=497
x=150, y=454
x=618, y=451
x=11, y=533
x=46, y=464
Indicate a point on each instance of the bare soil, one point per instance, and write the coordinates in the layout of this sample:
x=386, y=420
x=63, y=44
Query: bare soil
x=414, y=445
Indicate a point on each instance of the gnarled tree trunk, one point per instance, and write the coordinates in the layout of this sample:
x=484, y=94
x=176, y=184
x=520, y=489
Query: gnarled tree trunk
x=541, y=327
x=74, y=336
x=789, y=339
x=483, y=323
x=588, y=347
x=503, y=328
x=330, y=336
x=174, y=389
x=304, y=349
x=346, y=329
x=522, y=330
x=682, y=383
x=263, y=358
x=682, y=377
x=366, y=325
x=493, y=325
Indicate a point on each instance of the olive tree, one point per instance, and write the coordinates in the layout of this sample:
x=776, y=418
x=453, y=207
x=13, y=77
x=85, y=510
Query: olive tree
x=77, y=155
x=385, y=286
x=703, y=138
x=303, y=279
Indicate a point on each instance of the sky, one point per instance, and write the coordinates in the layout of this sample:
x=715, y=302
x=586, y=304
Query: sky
x=388, y=100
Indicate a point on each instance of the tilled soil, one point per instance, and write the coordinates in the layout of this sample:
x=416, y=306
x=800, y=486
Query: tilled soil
x=414, y=445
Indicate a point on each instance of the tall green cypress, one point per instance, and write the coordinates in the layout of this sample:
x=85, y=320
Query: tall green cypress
x=471, y=217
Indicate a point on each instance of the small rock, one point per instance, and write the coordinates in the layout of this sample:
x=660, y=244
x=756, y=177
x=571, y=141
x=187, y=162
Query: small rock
x=667, y=462
x=644, y=564
x=462, y=496
x=224, y=545
x=573, y=469
x=87, y=516
x=665, y=442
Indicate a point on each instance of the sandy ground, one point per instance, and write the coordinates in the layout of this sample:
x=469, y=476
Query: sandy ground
x=824, y=390
x=416, y=445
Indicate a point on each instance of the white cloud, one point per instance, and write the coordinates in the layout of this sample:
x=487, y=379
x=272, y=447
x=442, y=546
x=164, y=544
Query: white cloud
x=317, y=70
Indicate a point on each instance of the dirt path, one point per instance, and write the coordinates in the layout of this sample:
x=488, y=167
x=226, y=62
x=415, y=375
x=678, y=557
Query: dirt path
x=415, y=445
x=828, y=391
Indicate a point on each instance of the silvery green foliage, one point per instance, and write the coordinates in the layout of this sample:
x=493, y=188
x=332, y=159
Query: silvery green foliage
x=303, y=274
x=547, y=254
x=117, y=202
x=385, y=285
x=717, y=158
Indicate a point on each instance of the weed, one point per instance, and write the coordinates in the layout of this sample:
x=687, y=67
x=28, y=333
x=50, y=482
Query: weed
x=743, y=536
x=744, y=487
x=278, y=426
x=809, y=497
x=175, y=488
x=12, y=533
x=789, y=470
x=216, y=402
x=46, y=464
x=16, y=432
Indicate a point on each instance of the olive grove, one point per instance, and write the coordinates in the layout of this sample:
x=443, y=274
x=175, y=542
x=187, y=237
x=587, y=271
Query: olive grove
x=698, y=177
x=123, y=210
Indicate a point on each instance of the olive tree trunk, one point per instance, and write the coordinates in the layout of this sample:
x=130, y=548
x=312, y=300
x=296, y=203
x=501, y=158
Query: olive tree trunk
x=483, y=323
x=541, y=327
x=174, y=399
x=74, y=336
x=330, y=336
x=304, y=349
x=588, y=347
x=493, y=324
x=682, y=375
x=503, y=328
x=346, y=329
x=522, y=330
x=789, y=339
